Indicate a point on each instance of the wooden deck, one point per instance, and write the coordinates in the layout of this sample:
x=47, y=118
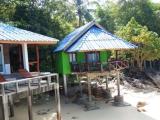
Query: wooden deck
x=28, y=86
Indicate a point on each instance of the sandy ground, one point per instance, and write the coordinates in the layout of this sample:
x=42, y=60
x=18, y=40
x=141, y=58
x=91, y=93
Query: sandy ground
x=152, y=99
x=72, y=111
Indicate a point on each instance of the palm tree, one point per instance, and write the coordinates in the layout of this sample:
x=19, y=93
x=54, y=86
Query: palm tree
x=83, y=13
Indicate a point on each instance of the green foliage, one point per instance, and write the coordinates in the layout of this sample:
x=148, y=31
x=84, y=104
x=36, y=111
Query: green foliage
x=105, y=17
x=51, y=18
x=147, y=41
x=112, y=15
x=56, y=18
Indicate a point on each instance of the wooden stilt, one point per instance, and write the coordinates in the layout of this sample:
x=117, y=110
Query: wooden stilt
x=65, y=88
x=80, y=85
x=116, y=54
x=29, y=98
x=107, y=82
x=57, y=99
x=5, y=112
x=11, y=105
x=118, y=83
x=89, y=89
x=101, y=67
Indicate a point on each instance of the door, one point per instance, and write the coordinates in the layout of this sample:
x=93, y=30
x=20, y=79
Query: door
x=1, y=59
x=16, y=58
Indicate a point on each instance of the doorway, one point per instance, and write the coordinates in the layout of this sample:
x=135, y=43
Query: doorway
x=16, y=58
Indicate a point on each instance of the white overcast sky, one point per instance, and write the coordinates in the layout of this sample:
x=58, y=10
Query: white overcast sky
x=156, y=1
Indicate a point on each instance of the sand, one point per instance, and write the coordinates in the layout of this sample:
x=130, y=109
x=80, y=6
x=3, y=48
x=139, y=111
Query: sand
x=72, y=111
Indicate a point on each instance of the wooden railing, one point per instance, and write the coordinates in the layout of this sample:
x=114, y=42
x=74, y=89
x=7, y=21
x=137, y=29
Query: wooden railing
x=118, y=65
x=21, y=85
x=29, y=85
x=97, y=66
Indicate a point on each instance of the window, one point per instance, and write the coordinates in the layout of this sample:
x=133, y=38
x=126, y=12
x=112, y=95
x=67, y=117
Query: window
x=92, y=57
x=72, y=57
x=1, y=59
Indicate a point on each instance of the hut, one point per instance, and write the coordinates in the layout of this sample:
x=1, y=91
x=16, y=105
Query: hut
x=87, y=49
x=15, y=46
x=24, y=45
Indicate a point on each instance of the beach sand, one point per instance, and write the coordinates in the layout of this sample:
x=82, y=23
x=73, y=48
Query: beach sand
x=72, y=111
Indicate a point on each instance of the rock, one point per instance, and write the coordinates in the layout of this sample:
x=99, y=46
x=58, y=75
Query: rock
x=140, y=106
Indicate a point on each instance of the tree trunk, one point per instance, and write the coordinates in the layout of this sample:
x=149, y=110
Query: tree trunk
x=150, y=64
x=145, y=64
x=140, y=65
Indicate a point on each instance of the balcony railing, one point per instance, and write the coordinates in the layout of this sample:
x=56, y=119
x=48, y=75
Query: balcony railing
x=97, y=66
x=21, y=85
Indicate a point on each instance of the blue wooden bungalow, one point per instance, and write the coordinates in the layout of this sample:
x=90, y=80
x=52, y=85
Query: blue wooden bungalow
x=87, y=49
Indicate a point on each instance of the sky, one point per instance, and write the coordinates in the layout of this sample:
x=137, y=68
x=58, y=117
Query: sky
x=156, y=1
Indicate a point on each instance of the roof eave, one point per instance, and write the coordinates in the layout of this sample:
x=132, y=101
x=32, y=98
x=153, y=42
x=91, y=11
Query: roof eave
x=28, y=42
x=116, y=49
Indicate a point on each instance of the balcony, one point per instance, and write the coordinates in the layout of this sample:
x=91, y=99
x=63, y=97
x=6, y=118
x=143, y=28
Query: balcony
x=97, y=66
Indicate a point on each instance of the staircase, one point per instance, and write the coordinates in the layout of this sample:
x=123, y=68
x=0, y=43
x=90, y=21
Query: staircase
x=118, y=65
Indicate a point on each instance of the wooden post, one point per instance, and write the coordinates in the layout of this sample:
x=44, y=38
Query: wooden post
x=118, y=83
x=80, y=85
x=107, y=82
x=57, y=99
x=101, y=67
x=89, y=89
x=19, y=55
x=29, y=98
x=37, y=54
x=65, y=87
x=116, y=55
x=11, y=105
x=5, y=112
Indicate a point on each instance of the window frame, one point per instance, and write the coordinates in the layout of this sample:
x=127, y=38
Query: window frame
x=72, y=57
x=97, y=56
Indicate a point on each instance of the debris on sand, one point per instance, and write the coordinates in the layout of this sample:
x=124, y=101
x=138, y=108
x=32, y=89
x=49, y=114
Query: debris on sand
x=140, y=106
x=43, y=111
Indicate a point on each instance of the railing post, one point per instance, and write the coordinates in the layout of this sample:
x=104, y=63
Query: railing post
x=57, y=98
x=89, y=89
x=48, y=82
x=29, y=97
x=39, y=85
x=11, y=105
x=17, y=88
x=118, y=83
x=5, y=112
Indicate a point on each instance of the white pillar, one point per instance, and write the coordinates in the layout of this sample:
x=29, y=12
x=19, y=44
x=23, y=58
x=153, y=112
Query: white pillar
x=25, y=56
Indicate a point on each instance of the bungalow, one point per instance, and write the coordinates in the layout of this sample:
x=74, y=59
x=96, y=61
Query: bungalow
x=19, y=49
x=15, y=44
x=87, y=49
